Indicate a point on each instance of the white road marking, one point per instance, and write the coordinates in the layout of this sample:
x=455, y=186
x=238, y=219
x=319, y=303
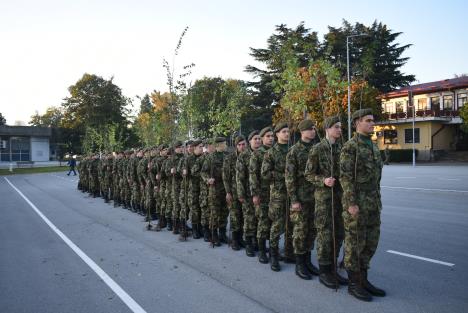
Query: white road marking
x=424, y=189
x=125, y=297
x=406, y=177
x=454, y=179
x=420, y=258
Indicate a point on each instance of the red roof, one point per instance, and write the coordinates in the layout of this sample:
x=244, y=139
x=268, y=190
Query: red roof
x=441, y=85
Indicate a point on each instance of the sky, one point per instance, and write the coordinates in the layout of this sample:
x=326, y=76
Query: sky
x=47, y=46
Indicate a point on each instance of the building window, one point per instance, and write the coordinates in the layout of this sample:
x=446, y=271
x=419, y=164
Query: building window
x=448, y=102
x=462, y=99
x=399, y=107
x=435, y=103
x=389, y=108
x=422, y=104
x=390, y=137
x=409, y=135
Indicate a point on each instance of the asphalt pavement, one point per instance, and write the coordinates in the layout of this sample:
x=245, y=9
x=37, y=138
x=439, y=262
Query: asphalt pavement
x=101, y=259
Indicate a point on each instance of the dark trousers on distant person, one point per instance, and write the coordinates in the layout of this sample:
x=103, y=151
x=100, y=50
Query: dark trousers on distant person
x=72, y=168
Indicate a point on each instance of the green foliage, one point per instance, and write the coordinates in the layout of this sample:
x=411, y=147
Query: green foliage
x=105, y=138
x=51, y=118
x=464, y=117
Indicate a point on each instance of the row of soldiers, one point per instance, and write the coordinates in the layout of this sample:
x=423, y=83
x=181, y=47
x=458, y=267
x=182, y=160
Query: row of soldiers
x=319, y=191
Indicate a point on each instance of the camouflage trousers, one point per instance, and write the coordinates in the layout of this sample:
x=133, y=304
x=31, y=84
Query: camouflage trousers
x=183, y=200
x=160, y=203
x=279, y=225
x=115, y=192
x=194, y=205
x=175, y=197
x=325, y=227
x=149, y=197
x=303, y=228
x=168, y=200
x=203, y=202
x=264, y=223
x=135, y=195
x=235, y=216
x=250, y=221
x=362, y=234
x=218, y=211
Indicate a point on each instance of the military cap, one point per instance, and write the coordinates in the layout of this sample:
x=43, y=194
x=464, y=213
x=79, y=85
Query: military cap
x=162, y=146
x=239, y=139
x=189, y=142
x=252, y=134
x=196, y=142
x=360, y=113
x=330, y=121
x=280, y=126
x=305, y=125
x=177, y=144
x=219, y=139
x=265, y=130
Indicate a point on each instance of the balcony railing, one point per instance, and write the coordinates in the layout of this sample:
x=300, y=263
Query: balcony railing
x=421, y=113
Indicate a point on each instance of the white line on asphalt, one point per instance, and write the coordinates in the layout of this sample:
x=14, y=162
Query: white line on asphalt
x=425, y=189
x=125, y=297
x=457, y=179
x=420, y=258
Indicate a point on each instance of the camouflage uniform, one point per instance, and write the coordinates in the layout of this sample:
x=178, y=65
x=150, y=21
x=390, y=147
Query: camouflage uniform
x=229, y=180
x=360, y=173
x=194, y=191
x=217, y=208
x=176, y=185
x=142, y=171
x=134, y=182
x=273, y=169
x=261, y=189
x=203, y=197
x=300, y=190
x=243, y=192
x=93, y=176
x=323, y=162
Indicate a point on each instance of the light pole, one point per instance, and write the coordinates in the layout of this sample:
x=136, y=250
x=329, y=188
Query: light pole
x=349, y=81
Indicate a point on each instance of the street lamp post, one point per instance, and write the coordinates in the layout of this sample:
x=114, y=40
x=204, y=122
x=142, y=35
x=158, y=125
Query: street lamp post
x=349, y=81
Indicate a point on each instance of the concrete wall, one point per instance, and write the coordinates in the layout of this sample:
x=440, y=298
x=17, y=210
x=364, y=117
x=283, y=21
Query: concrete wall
x=39, y=149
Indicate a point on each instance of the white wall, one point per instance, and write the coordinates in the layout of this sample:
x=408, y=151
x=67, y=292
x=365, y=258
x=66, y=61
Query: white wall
x=39, y=149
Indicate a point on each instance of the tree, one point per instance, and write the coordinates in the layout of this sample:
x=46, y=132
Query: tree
x=96, y=105
x=375, y=57
x=51, y=118
x=2, y=119
x=145, y=104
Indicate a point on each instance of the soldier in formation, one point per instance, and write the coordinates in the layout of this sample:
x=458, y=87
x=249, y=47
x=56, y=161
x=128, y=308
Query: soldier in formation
x=310, y=191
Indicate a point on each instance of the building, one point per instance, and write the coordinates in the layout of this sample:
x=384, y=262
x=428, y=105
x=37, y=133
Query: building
x=436, y=117
x=24, y=143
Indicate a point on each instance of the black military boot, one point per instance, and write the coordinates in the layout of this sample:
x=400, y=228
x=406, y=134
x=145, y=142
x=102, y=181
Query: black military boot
x=206, y=234
x=235, y=245
x=176, y=231
x=199, y=230
x=326, y=277
x=301, y=269
x=249, y=249
x=215, y=238
x=310, y=267
x=369, y=287
x=183, y=234
x=341, y=280
x=288, y=257
x=222, y=235
x=262, y=256
x=169, y=224
x=355, y=289
x=255, y=243
x=274, y=254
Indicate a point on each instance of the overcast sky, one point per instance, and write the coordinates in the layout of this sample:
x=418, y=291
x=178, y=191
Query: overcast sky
x=46, y=46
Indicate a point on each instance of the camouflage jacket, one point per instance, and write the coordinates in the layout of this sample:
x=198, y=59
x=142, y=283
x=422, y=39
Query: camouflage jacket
x=299, y=190
x=229, y=173
x=212, y=168
x=195, y=169
x=324, y=159
x=258, y=187
x=142, y=170
x=242, y=175
x=185, y=162
x=273, y=169
x=360, y=168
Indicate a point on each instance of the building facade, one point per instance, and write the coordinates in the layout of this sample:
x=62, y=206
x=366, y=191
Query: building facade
x=24, y=143
x=433, y=107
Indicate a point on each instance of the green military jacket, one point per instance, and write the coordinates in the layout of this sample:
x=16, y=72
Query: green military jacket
x=299, y=190
x=324, y=162
x=273, y=169
x=360, y=168
x=258, y=187
x=242, y=175
x=229, y=173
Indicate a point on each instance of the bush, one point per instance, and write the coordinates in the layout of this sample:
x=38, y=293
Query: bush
x=400, y=155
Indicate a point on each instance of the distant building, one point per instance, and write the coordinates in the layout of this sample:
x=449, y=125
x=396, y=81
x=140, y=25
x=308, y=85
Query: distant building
x=436, y=116
x=24, y=143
